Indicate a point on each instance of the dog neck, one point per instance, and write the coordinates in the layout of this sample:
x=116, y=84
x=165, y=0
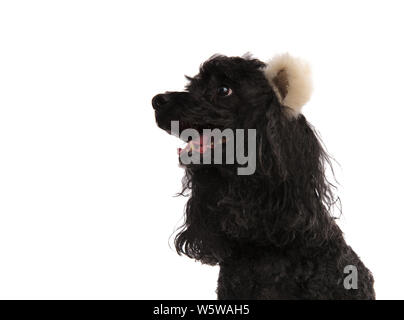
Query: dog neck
x=227, y=213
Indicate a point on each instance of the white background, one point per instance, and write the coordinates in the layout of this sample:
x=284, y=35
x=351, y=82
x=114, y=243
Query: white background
x=87, y=179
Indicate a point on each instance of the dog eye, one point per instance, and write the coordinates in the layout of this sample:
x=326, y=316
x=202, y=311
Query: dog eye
x=224, y=91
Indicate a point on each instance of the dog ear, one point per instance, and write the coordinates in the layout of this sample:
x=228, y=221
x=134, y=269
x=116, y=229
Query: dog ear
x=290, y=154
x=290, y=78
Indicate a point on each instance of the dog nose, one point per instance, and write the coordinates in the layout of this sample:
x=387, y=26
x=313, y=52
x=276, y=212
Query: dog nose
x=159, y=101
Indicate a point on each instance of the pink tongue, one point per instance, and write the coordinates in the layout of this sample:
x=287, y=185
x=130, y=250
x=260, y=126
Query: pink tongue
x=200, y=147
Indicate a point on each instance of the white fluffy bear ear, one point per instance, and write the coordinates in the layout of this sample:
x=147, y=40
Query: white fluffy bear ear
x=290, y=78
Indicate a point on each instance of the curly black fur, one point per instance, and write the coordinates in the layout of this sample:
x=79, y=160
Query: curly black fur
x=271, y=232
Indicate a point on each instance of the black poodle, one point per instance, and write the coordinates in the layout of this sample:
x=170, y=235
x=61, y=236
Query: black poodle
x=270, y=230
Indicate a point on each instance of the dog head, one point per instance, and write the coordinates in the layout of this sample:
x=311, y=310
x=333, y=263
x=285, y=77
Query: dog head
x=234, y=93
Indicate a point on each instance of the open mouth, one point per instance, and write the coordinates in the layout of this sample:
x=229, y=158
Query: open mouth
x=204, y=144
x=201, y=144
